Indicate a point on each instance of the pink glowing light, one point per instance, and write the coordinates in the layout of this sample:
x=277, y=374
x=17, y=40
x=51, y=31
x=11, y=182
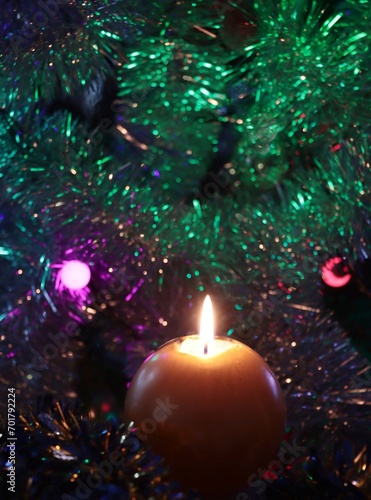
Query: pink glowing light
x=331, y=277
x=75, y=275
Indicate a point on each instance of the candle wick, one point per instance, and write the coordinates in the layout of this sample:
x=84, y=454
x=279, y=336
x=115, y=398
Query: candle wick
x=205, y=349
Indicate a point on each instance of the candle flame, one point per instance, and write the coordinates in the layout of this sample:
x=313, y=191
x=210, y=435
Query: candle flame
x=205, y=345
x=207, y=328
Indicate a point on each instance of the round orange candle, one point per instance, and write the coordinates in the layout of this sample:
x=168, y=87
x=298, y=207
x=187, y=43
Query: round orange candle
x=211, y=407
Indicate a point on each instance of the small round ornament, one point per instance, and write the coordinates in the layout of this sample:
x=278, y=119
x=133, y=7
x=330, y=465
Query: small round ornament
x=335, y=273
x=74, y=275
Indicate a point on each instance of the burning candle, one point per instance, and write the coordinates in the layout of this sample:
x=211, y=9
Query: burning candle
x=211, y=407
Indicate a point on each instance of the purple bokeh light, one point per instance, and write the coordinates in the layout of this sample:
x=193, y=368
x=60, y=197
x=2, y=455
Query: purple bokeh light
x=75, y=275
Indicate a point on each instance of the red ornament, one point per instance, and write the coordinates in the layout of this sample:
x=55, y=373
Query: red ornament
x=334, y=274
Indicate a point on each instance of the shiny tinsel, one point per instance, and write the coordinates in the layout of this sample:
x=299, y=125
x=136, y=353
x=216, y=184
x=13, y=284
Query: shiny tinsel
x=181, y=85
x=230, y=163
x=299, y=88
x=91, y=38
x=61, y=450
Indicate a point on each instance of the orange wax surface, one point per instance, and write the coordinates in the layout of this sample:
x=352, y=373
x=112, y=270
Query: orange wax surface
x=214, y=418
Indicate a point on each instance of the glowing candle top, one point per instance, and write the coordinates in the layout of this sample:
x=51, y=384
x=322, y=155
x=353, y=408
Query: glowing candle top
x=205, y=345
